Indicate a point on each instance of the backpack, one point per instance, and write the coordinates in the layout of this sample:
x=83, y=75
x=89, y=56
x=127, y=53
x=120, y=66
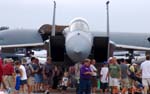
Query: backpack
x=131, y=74
x=29, y=70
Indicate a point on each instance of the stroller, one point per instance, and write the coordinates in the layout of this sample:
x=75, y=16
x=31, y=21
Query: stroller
x=137, y=89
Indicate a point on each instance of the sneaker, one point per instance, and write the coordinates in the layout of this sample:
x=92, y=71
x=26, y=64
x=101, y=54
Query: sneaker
x=8, y=90
x=46, y=92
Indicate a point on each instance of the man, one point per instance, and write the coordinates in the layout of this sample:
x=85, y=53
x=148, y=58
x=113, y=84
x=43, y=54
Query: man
x=8, y=73
x=48, y=74
x=145, y=69
x=31, y=80
x=114, y=74
x=85, y=77
x=1, y=72
x=124, y=76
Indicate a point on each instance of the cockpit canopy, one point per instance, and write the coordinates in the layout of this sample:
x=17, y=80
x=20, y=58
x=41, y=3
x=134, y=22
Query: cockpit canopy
x=79, y=24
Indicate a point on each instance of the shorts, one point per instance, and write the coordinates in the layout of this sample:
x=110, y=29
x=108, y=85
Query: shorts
x=41, y=78
x=38, y=78
x=22, y=82
x=8, y=80
x=125, y=82
x=64, y=87
x=94, y=81
x=103, y=86
x=31, y=81
x=49, y=81
x=113, y=82
x=146, y=81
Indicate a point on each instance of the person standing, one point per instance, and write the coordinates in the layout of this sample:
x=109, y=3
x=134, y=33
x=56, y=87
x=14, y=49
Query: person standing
x=104, y=78
x=94, y=76
x=31, y=80
x=56, y=77
x=145, y=69
x=114, y=75
x=85, y=77
x=48, y=74
x=124, y=76
x=1, y=72
x=23, y=74
x=17, y=86
x=77, y=75
x=8, y=74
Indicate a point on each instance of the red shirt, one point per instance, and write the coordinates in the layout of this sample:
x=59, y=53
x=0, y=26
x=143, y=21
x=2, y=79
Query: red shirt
x=8, y=69
x=1, y=69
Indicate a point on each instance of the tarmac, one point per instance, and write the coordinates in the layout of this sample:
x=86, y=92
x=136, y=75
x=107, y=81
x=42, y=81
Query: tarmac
x=69, y=91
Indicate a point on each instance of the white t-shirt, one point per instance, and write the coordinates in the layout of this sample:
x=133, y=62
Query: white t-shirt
x=103, y=74
x=65, y=81
x=93, y=69
x=24, y=74
x=145, y=67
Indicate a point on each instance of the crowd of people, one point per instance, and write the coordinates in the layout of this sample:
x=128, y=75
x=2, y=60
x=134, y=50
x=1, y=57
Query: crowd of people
x=114, y=76
x=29, y=76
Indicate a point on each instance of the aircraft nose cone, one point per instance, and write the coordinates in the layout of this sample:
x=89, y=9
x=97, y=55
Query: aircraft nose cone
x=78, y=47
x=77, y=51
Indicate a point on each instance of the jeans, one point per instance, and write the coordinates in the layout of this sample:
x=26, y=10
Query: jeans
x=85, y=86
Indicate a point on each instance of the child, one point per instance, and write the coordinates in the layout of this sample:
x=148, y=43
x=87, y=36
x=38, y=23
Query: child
x=104, y=78
x=65, y=82
x=17, y=86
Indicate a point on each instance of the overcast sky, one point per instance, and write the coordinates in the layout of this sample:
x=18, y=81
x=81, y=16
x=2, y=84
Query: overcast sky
x=125, y=15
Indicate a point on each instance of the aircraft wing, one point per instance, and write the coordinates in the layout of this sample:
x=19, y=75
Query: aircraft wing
x=20, y=38
x=121, y=42
x=129, y=47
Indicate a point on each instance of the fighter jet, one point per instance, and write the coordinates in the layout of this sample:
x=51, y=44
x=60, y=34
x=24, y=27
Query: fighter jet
x=76, y=42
